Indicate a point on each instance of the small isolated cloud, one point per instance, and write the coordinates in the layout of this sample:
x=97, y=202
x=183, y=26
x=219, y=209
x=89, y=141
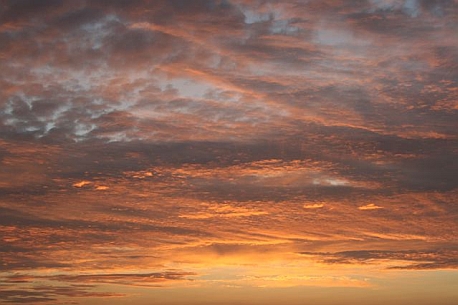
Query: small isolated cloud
x=313, y=206
x=330, y=182
x=81, y=183
x=101, y=188
x=139, y=174
x=369, y=206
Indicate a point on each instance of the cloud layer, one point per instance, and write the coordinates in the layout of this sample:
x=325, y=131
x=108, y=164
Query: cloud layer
x=215, y=144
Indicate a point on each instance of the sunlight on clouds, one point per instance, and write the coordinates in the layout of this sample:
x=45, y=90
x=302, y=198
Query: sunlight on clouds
x=228, y=152
x=277, y=173
x=313, y=206
x=81, y=183
x=224, y=211
x=101, y=188
x=370, y=206
x=395, y=236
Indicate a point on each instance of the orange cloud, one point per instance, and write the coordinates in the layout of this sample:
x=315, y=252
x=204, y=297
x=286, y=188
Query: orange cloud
x=313, y=206
x=81, y=183
x=370, y=206
x=101, y=188
x=197, y=146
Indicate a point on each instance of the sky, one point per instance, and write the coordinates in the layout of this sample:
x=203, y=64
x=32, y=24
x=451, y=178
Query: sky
x=229, y=152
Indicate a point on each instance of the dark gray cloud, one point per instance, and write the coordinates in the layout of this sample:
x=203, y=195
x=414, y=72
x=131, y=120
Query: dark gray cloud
x=442, y=258
x=42, y=294
x=18, y=289
x=156, y=277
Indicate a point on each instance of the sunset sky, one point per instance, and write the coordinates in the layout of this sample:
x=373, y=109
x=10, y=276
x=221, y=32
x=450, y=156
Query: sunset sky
x=229, y=152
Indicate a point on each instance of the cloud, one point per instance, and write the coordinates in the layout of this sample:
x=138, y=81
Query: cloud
x=224, y=211
x=142, y=279
x=51, y=294
x=370, y=206
x=81, y=183
x=410, y=259
x=313, y=206
x=19, y=288
x=102, y=187
x=212, y=134
x=90, y=30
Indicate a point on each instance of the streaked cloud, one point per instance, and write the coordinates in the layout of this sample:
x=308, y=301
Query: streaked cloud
x=407, y=259
x=18, y=288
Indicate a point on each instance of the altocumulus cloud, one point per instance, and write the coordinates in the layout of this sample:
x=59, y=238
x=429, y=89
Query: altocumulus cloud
x=179, y=137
